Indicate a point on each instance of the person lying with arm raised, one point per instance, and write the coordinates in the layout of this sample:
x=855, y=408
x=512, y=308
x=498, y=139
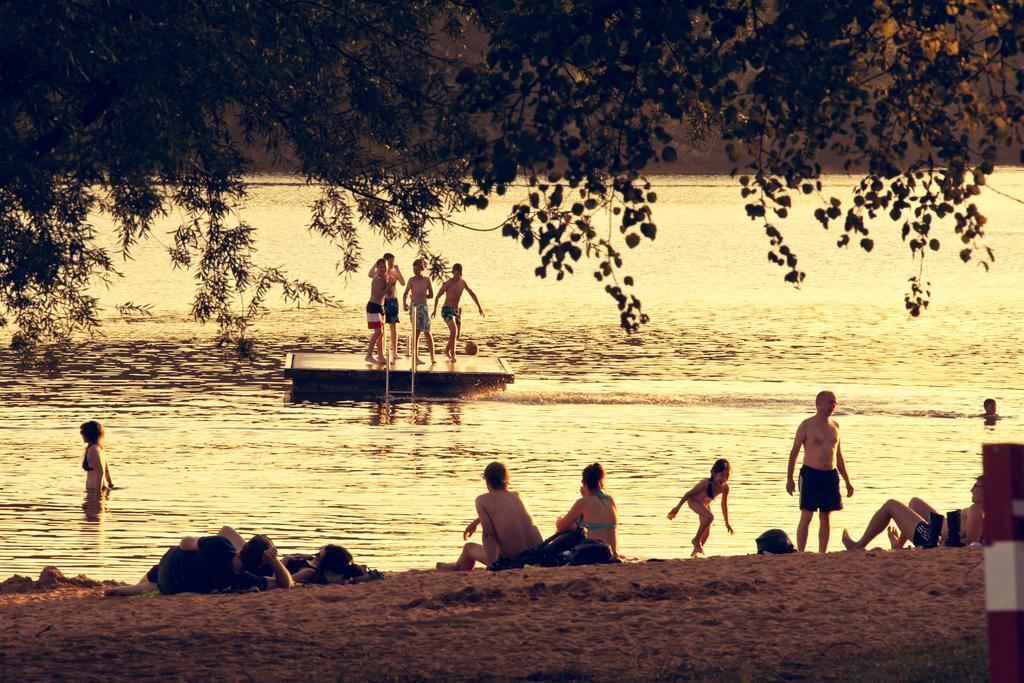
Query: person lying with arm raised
x=212, y=563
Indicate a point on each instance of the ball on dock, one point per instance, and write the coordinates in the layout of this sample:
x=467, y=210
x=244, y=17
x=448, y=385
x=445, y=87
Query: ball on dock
x=471, y=348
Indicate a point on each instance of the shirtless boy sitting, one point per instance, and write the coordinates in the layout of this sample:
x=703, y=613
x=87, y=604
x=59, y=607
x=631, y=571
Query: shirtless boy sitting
x=420, y=289
x=450, y=312
x=912, y=522
x=819, y=475
x=508, y=525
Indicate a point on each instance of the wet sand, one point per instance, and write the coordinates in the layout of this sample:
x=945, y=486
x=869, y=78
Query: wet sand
x=721, y=616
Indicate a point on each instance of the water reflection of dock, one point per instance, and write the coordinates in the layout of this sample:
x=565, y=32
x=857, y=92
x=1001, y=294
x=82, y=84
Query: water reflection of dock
x=344, y=376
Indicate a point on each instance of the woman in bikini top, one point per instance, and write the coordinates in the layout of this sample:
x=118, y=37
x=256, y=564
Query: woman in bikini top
x=94, y=461
x=595, y=511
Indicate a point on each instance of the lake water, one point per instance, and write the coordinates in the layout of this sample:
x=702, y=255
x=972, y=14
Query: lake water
x=728, y=367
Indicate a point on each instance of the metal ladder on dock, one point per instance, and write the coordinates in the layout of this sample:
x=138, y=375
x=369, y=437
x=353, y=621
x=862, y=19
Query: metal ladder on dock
x=388, y=393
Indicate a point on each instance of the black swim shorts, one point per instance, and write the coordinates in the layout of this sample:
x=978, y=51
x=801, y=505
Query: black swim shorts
x=922, y=534
x=819, y=490
x=391, y=311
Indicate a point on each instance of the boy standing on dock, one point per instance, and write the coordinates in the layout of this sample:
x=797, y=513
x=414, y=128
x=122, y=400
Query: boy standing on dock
x=450, y=312
x=392, y=275
x=375, y=312
x=823, y=464
x=420, y=289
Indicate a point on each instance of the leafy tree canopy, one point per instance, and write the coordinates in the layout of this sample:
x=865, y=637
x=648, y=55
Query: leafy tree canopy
x=404, y=112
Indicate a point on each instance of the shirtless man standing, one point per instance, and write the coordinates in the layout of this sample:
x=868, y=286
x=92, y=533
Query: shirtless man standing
x=392, y=275
x=912, y=522
x=450, y=312
x=819, y=475
x=420, y=289
x=508, y=526
x=375, y=313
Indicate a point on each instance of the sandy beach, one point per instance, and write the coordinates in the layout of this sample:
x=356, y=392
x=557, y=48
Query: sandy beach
x=719, y=617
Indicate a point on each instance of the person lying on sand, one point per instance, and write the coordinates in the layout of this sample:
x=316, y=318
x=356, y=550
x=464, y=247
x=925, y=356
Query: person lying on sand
x=332, y=564
x=699, y=499
x=508, y=525
x=912, y=525
x=212, y=563
x=595, y=511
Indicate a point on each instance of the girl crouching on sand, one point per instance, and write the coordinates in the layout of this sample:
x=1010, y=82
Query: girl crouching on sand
x=699, y=499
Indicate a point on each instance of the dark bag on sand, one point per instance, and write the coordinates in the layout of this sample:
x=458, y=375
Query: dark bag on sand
x=592, y=551
x=775, y=542
x=553, y=552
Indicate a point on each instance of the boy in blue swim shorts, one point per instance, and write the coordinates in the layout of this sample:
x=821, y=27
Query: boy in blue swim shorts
x=450, y=312
x=419, y=289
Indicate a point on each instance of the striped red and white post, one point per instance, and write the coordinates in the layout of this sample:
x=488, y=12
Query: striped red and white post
x=1004, y=560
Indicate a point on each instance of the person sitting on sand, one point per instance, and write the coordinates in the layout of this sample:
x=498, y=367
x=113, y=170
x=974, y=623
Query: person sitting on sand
x=699, y=499
x=375, y=313
x=508, y=525
x=450, y=311
x=94, y=461
x=912, y=522
x=420, y=289
x=595, y=511
x=212, y=563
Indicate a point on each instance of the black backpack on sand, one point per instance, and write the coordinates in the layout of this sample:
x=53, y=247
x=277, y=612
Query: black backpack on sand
x=775, y=542
x=592, y=551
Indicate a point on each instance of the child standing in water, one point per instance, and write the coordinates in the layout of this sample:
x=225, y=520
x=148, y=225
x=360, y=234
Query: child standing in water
x=94, y=462
x=699, y=499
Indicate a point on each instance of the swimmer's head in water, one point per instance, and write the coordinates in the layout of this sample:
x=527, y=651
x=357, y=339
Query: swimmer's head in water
x=990, y=406
x=593, y=476
x=92, y=431
x=826, y=402
x=252, y=553
x=496, y=475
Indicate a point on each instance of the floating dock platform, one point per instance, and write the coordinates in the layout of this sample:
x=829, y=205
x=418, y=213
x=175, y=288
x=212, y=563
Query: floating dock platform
x=347, y=376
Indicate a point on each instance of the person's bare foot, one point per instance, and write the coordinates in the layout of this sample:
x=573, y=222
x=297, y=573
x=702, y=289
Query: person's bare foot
x=433, y=361
x=369, y=358
x=447, y=566
x=420, y=361
x=894, y=537
x=380, y=360
x=698, y=551
x=848, y=541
